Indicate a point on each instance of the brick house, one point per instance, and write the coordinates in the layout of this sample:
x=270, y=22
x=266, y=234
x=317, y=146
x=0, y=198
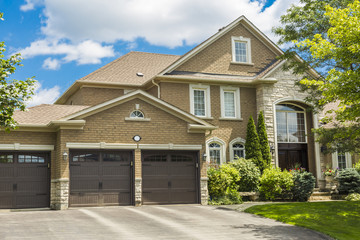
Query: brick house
x=141, y=129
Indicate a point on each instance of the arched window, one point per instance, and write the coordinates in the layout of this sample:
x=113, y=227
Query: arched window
x=237, y=148
x=215, y=153
x=290, y=123
x=136, y=114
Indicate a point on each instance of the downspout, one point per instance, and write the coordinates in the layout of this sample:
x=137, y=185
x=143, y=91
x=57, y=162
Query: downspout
x=158, y=86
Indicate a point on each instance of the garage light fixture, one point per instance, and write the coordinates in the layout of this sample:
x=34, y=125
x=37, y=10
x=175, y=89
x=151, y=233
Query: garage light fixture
x=204, y=157
x=136, y=138
x=65, y=155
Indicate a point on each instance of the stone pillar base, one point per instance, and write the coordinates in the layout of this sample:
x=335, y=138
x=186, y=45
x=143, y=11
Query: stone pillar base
x=204, y=193
x=138, y=191
x=59, y=196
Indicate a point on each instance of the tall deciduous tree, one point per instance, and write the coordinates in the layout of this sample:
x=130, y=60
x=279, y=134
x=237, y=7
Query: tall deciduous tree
x=263, y=140
x=252, y=145
x=13, y=93
x=326, y=35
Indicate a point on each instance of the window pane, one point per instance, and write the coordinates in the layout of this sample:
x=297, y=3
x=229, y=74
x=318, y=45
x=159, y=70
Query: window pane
x=137, y=114
x=341, y=161
x=6, y=158
x=239, y=150
x=199, y=102
x=290, y=126
x=215, y=156
x=229, y=104
x=31, y=158
x=240, y=52
x=115, y=157
x=155, y=158
x=281, y=127
x=86, y=157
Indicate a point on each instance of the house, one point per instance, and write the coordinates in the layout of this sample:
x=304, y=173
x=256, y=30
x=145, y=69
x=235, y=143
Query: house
x=141, y=129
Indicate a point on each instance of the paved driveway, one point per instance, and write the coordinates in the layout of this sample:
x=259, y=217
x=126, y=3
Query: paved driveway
x=147, y=222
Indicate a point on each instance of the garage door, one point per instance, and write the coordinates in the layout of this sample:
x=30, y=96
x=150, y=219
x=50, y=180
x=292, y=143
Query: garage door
x=24, y=180
x=100, y=178
x=169, y=177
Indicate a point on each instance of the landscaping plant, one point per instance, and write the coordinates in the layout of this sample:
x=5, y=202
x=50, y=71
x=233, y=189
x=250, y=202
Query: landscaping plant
x=353, y=197
x=249, y=174
x=276, y=184
x=349, y=181
x=357, y=167
x=222, y=185
x=252, y=145
x=304, y=184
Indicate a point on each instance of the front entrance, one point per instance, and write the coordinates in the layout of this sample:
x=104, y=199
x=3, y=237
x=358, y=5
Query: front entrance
x=292, y=155
x=24, y=179
x=100, y=178
x=170, y=177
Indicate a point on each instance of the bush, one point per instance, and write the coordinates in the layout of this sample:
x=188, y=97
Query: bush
x=357, y=167
x=276, y=184
x=304, y=184
x=263, y=140
x=349, y=181
x=353, y=197
x=223, y=186
x=249, y=174
x=252, y=145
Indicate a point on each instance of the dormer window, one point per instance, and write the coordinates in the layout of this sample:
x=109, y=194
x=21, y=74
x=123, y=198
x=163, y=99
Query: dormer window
x=241, y=50
x=136, y=114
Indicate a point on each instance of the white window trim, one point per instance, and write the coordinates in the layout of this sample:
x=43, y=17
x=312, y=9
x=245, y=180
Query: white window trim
x=248, y=49
x=236, y=91
x=231, y=150
x=335, y=163
x=222, y=149
x=205, y=88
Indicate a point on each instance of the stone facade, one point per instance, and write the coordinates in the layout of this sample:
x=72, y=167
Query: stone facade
x=59, y=194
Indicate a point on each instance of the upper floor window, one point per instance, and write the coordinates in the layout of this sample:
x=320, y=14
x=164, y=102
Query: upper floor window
x=290, y=122
x=136, y=114
x=241, y=50
x=200, y=100
x=230, y=102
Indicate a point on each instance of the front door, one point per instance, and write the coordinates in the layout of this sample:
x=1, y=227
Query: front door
x=292, y=155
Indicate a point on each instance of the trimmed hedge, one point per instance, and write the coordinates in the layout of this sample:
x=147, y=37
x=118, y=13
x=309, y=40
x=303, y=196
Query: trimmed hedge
x=249, y=174
x=349, y=181
x=276, y=184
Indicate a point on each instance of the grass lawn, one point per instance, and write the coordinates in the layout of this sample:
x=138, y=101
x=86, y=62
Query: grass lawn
x=340, y=219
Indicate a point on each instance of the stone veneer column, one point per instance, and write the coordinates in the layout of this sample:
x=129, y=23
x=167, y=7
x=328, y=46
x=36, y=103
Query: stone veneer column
x=138, y=177
x=204, y=193
x=59, y=196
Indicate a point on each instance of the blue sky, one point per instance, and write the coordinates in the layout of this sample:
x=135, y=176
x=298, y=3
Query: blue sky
x=64, y=40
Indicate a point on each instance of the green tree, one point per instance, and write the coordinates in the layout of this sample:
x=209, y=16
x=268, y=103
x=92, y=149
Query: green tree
x=326, y=35
x=13, y=93
x=252, y=145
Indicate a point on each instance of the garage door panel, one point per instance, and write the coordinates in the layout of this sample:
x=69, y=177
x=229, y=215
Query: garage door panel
x=6, y=186
x=170, y=177
x=103, y=179
x=31, y=171
x=33, y=200
x=6, y=171
x=6, y=200
x=32, y=187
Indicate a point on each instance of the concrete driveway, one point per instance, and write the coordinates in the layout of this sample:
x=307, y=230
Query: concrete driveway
x=147, y=222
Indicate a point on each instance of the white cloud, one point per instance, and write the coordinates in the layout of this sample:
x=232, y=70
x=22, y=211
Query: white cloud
x=83, y=29
x=51, y=64
x=86, y=52
x=30, y=5
x=44, y=95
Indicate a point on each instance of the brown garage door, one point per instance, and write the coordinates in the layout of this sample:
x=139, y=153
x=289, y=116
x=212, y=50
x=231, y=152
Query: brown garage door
x=24, y=180
x=100, y=178
x=169, y=177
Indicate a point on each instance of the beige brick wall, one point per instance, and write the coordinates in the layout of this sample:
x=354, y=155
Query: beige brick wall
x=176, y=94
x=216, y=57
x=93, y=96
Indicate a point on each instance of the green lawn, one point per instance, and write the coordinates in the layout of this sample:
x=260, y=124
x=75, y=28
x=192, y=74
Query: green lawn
x=340, y=219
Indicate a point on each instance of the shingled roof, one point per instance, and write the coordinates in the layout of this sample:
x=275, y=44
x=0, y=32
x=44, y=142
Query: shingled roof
x=124, y=69
x=44, y=113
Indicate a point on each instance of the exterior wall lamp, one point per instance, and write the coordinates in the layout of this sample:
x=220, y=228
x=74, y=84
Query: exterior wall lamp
x=272, y=149
x=204, y=156
x=65, y=155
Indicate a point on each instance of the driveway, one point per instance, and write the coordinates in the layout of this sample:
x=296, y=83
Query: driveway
x=147, y=222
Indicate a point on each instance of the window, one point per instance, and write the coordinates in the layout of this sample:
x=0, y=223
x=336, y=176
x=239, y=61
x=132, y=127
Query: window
x=6, y=158
x=341, y=160
x=200, y=100
x=237, y=148
x=241, y=50
x=30, y=158
x=290, y=123
x=230, y=103
x=136, y=114
x=215, y=151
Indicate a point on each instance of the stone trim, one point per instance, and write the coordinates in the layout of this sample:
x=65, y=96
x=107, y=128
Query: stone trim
x=101, y=145
x=23, y=147
x=138, y=191
x=59, y=194
x=204, y=193
x=170, y=146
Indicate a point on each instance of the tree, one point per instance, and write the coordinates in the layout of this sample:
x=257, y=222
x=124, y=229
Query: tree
x=263, y=140
x=327, y=36
x=252, y=145
x=13, y=93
